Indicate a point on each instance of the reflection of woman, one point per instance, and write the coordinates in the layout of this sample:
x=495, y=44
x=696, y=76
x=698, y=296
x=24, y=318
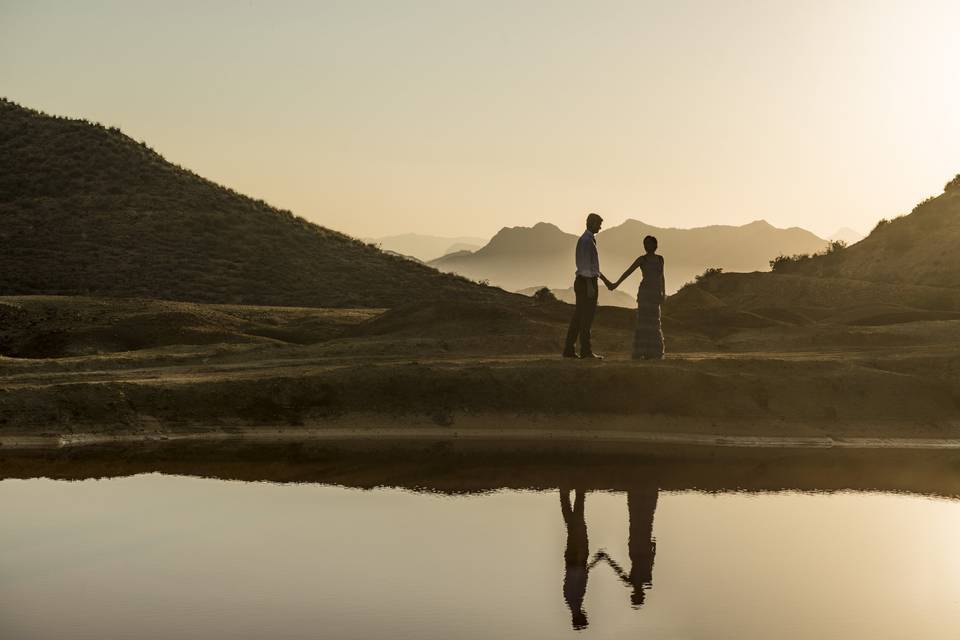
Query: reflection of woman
x=648, y=337
x=575, y=556
x=641, y=504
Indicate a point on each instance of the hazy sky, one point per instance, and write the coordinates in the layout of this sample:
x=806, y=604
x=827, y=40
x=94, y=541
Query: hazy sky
x=454, y=118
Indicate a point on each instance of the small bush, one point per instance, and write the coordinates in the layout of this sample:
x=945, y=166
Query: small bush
x=710, y=271
x=544, y=296
x=923, y=203
x=953, y=185
x=783, y=263
x=834, y=246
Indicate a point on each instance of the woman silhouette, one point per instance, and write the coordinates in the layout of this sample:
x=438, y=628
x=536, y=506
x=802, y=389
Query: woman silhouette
x=642, y=505
x=648, y=336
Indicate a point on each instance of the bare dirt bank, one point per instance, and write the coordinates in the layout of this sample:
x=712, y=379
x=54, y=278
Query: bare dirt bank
x=715, y=397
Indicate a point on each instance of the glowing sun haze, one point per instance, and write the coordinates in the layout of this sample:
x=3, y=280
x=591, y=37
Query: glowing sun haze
x=457, y=118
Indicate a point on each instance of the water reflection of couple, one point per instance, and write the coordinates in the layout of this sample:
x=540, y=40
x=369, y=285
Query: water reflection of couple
x=641, y=505
x=648, y=335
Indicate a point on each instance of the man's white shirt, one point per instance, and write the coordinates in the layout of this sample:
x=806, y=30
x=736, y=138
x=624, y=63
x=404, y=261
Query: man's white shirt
x=588, y=260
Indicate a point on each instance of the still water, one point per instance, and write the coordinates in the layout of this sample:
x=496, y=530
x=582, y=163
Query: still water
x=168, y=556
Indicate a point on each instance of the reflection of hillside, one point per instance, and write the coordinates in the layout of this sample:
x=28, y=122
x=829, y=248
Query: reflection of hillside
x=519, y=257
x=704, y=469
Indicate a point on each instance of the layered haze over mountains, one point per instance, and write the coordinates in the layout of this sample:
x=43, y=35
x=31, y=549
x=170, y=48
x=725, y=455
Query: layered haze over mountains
x=518, y=258
x=426, y=247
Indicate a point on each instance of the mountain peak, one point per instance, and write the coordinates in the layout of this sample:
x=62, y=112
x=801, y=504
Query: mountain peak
x=543, y=226
x=543, y=236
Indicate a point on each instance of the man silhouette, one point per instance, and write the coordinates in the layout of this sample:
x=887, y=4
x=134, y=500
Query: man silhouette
x=585, y=288
x=575, y=556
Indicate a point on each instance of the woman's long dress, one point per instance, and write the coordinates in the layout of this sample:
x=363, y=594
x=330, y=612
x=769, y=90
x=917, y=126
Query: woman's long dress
x=648, y=336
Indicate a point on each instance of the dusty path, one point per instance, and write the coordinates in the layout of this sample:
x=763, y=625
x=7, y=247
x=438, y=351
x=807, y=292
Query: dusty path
x=19, y=372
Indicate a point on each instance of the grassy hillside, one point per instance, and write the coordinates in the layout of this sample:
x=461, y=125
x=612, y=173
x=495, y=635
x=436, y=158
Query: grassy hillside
x=86, y=210
x=921, y=248
x=906, y=271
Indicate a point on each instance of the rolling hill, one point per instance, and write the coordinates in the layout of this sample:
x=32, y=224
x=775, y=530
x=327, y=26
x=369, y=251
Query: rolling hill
x=921, y=248
x=906, y=272
x=520, y=257
x=86, y=210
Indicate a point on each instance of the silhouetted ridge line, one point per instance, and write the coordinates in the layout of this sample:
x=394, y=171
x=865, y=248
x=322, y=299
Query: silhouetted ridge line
x=86, y=210
x=919, y=248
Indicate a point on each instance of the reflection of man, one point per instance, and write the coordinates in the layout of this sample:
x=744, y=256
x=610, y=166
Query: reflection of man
x=585, y=288
x=575, y=556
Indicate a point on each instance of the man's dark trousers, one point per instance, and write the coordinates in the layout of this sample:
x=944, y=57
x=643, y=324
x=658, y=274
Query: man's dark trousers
x=583, y=315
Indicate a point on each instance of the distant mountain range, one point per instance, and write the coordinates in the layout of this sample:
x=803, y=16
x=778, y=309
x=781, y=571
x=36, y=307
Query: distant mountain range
x=426, y=247
x=517, y=257
x=86, y=210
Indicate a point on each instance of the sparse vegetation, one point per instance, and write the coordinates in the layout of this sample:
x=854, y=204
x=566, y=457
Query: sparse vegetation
x=922, y=204
x=783, y=263
x=710, y=271
x=834, y=246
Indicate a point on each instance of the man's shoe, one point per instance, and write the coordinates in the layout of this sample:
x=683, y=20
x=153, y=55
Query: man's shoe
x=570, y=354
x=591, y=356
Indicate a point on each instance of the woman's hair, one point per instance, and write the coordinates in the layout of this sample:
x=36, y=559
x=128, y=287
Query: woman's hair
x=650, y=243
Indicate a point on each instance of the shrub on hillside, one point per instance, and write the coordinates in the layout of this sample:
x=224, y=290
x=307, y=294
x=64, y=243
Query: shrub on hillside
x=544, y=296
x=710, y=271
x=783, y=263
x=953, y=185
x=923, y=203
x=834, y=246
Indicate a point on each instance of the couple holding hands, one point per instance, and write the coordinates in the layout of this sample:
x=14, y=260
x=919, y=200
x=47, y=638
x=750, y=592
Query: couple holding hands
x=648, y=335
